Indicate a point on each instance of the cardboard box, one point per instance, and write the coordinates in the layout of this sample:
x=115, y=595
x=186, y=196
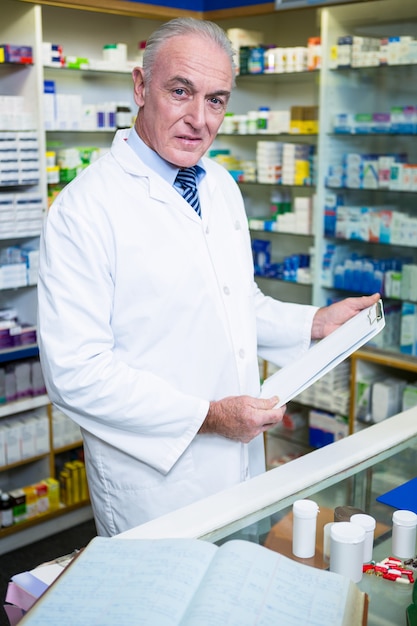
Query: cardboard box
x=325, y=428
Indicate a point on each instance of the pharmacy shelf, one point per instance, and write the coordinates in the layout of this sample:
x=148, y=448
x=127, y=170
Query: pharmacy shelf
x=20, y=352
x=357, y=90
x=26, y=404
x=88, y=71
x=387, y=360
x=42, y=526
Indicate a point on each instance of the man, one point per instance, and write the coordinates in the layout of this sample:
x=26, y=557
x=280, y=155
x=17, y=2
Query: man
x=149, y=318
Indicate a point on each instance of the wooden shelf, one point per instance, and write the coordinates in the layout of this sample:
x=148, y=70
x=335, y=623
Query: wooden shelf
x=68, y=447
x=386, y=358
x=22, y=462
x=41, y=518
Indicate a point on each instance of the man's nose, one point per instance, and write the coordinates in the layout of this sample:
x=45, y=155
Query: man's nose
x=196, y=112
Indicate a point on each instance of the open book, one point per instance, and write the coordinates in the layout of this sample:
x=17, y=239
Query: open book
x=190, y=582
x=324, y=355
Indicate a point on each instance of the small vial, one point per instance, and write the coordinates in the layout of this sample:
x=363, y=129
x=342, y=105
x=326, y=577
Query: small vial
x=346, y=550
x=404, y=534
x=326, y=541
x=368, y=523
x=6, y=510
x=304, y=528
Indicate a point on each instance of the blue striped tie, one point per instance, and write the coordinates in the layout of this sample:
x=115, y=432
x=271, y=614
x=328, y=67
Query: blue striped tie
x=186, y=179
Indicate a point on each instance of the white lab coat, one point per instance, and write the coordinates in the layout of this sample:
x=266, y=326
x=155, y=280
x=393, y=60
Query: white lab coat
x=146, y=313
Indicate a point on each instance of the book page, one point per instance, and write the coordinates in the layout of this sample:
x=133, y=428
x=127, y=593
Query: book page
x=124, y=581
x=356, y=610
x=250, y=585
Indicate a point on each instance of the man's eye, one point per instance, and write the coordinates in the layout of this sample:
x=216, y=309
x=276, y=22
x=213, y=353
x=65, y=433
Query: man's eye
x=179, y=91
x=217, y=102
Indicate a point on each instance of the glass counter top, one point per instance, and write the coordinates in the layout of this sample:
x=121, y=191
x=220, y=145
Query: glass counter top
x=351, y=472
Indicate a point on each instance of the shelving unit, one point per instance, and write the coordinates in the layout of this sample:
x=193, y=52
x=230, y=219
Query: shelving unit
x=31, y=470
x=378, y=362
x=278, y=92
x=364, y=90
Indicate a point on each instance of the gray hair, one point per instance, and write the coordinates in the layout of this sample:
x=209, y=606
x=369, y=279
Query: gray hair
x=185, y=26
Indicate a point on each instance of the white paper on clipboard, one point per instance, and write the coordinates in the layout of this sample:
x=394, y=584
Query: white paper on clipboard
x=324, y=355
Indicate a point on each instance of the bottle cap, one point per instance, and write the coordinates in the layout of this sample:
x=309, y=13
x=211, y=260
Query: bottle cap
x=346, y=532
x=306, y=509
x=344, y=513
x=366, y=521
x=405, y=518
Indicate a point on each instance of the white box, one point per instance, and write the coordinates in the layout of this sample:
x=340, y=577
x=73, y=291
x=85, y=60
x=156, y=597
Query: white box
x=387, y=398
x=12, y=441
x=58, y=429
x=27, y=437
x=41, y=431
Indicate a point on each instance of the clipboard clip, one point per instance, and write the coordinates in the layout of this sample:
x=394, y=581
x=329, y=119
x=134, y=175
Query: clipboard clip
x=377, y=312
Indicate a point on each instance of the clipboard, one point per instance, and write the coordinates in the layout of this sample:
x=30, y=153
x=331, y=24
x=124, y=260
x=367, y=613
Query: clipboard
x=324, y=355
x=402, y=497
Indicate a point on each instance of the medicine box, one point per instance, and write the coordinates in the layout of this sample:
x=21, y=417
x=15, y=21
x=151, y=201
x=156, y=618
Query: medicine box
x=27, y=437
x=387, y=398
x=409, y=399
x=325, y=428
x=10, y=53
x=12, y=440
x=18, y=499
x=41, y=432
x=53, y=493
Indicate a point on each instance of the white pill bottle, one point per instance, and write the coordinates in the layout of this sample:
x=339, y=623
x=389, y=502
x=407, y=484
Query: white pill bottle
x=304, y=528
x=346, y=550
x=404, y=530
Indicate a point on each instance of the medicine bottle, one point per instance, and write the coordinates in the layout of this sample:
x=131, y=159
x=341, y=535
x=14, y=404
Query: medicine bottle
x=368, y=523
x=252, y=122
x=269, y=60
x=227, y=126
x=263, y=118
x=404, y=525
x=304, y=528
x=123, y=115
x=346, y=549
x=6, y=510
x=256, y=60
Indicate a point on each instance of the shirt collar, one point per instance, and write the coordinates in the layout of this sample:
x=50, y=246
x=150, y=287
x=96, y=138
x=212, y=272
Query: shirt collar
x=152, y=159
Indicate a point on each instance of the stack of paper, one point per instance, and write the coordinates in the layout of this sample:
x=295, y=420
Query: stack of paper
x=25, y=588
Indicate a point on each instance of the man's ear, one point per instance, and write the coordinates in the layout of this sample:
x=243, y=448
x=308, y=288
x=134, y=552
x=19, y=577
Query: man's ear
x=138, y=85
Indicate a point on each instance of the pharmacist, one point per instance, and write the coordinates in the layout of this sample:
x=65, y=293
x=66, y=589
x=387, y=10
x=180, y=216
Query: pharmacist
x=150, y=321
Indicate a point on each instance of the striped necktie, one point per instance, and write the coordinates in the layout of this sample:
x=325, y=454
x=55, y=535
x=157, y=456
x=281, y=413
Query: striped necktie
x=186, y=179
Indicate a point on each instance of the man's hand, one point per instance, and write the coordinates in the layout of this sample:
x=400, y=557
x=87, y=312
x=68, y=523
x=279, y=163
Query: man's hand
x=242, y=417
x=329, y=318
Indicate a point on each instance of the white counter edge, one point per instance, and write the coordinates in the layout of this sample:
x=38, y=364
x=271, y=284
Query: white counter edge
x=207, y=515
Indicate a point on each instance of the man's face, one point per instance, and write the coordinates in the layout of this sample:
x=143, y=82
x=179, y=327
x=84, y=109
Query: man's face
x=181, y=109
